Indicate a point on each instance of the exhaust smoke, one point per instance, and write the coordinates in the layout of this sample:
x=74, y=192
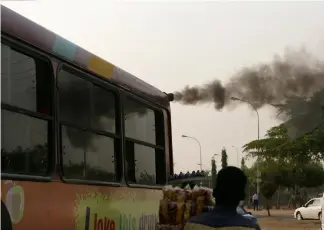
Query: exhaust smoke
x=294, y=74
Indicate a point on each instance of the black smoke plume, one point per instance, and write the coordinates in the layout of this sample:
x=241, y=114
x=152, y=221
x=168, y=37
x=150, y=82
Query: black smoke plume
x=294, y=74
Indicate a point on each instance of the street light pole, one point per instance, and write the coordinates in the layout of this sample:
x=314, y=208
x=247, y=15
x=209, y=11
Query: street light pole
x=200, y=157
x=256, y=110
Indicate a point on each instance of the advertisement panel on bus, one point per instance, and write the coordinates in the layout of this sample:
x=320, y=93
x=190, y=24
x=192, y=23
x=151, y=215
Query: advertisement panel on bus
x=81, y=207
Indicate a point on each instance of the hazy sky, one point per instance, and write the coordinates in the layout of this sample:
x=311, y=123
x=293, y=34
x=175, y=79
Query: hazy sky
x=173, y=44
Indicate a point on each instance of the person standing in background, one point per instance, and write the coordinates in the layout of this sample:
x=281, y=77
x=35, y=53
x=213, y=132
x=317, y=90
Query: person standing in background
x=255, y=201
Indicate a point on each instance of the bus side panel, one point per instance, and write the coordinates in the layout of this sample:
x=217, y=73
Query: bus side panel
x=56, y=205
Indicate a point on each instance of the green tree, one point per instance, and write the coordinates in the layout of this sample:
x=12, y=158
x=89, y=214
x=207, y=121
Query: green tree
x=296, y=145
x=292, y=175
x=270, y=179
x=296, y=157
x=224, y=158
x=267, y=188
x=308, y=175
x=213, y=172
x=243, y=166
x=278, y=145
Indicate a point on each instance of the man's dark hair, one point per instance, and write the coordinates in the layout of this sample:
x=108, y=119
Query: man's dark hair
x=230, y=186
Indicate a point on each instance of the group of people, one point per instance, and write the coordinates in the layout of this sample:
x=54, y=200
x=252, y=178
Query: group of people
x=228, y=192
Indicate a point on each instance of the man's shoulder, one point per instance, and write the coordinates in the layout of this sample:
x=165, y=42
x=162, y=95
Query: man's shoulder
x=218, y=220
x=202, y=217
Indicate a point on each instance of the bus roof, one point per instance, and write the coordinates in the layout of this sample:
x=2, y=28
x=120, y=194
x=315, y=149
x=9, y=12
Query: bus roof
x=30, y=32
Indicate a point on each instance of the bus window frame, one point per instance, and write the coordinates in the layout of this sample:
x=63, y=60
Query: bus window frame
x=91, y=78
x=169, y=147
x=56, y=63
x=36, y=54
x=128, y=95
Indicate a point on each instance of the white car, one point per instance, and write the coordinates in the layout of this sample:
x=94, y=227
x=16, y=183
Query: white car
x=311, y=210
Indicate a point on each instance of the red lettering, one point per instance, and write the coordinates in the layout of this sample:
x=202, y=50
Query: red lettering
x=106, y=224
x=109, y=224
x=100, y=225
x=103, y=224
x=95, y=222
x=112, y=225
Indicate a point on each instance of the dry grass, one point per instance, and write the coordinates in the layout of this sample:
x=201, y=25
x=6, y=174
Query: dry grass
x=273, y=223
x=282, y=220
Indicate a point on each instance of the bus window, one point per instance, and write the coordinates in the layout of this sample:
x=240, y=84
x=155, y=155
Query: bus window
x=139, y=122
x=89, y=137
x=26, y=92
x=145, y=153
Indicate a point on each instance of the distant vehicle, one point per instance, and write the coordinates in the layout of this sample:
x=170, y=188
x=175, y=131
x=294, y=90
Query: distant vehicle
x=311, y=210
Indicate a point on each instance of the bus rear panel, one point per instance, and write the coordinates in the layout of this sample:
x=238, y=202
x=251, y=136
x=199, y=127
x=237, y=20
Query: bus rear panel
x=85, y=145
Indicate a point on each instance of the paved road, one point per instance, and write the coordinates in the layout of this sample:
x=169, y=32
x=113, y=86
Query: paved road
x=280, y=214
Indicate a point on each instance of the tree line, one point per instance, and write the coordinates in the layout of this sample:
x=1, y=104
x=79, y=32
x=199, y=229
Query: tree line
x=290, y=156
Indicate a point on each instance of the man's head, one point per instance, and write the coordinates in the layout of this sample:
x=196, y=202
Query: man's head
x=230, y=186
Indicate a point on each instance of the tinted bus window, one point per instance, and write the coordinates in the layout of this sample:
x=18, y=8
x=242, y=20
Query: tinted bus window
x=139, y=122
x=92, y=159
x=85, y=104
x=88, y=129
x=26, y=92
x=145, y=152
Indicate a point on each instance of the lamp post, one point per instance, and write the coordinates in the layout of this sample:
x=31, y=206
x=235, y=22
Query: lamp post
x=256, y=110
x=200, y=157
x=237, y=156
